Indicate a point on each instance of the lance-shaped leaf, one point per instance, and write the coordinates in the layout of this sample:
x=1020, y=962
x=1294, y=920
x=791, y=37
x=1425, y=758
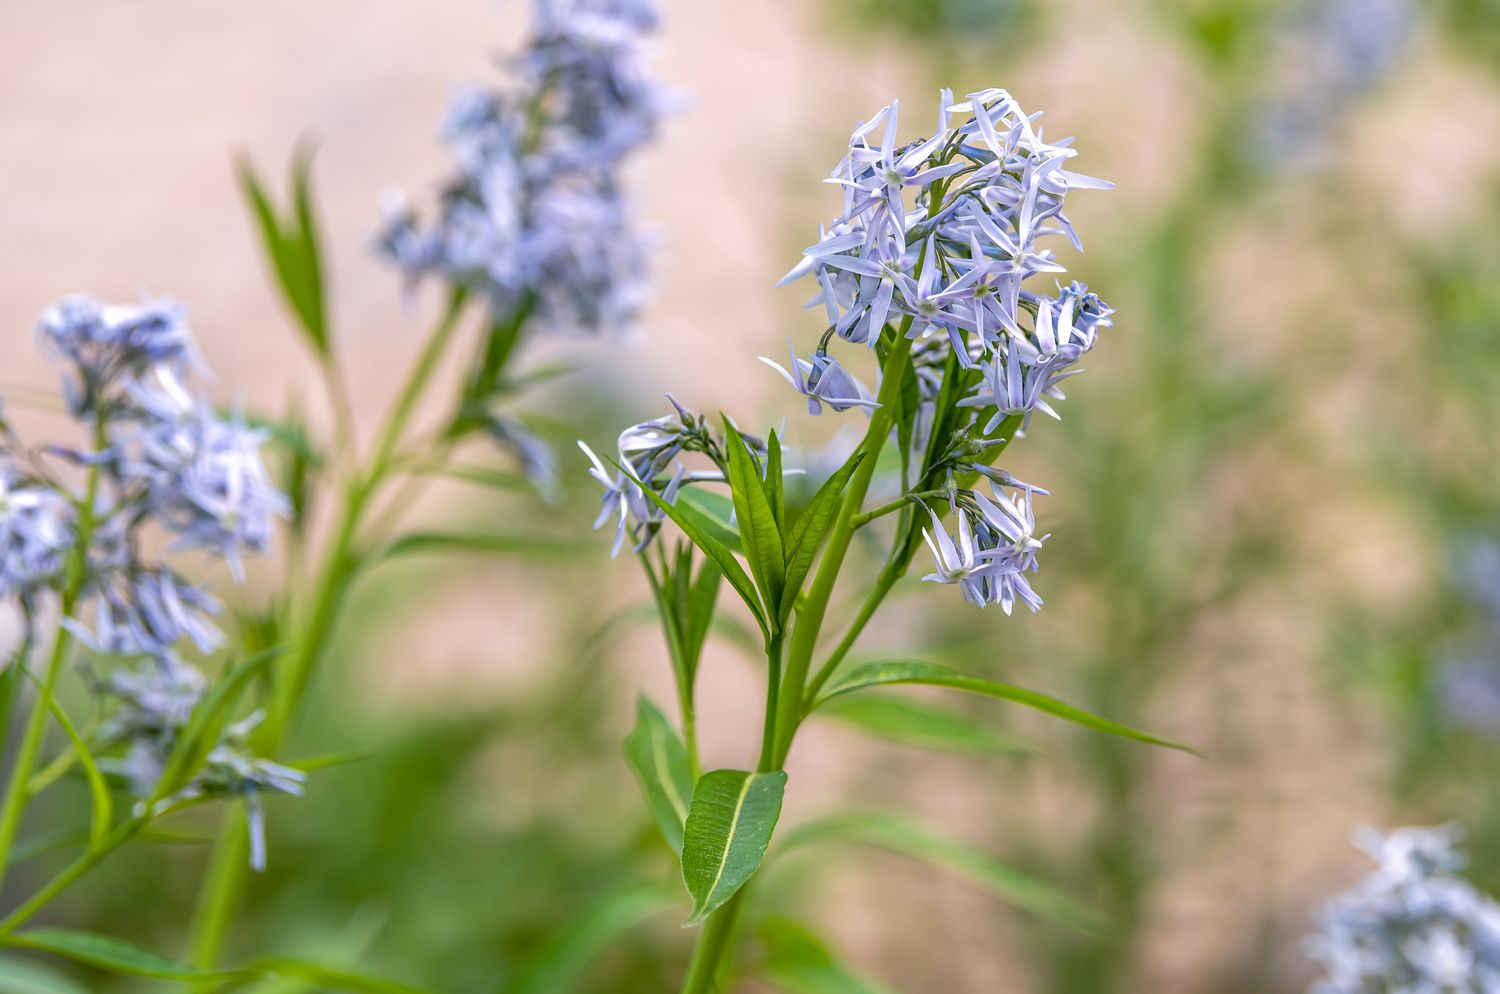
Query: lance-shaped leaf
x=659, y=761
x=715, y=550
x=292, y=246
x=933, y=675
x=806, y=533
x=109, y=953
x=898, y=835
x=484, y=543
x=712, y=512
x=903, y=720
x=759, y=533
x=729, y=826
x=207, y=722
x=775, y=493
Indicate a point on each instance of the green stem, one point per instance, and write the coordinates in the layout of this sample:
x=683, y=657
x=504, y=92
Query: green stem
x=715, y=940
x=222, y=887
x=773, y=689
x=811, y=612
x=860, y=520
x=883, y=584
x=16, y=789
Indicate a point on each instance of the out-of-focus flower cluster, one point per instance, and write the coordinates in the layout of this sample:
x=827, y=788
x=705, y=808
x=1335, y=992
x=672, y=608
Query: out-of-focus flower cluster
x=534, y=218
x=939, y=239
x=161, y=460
x=1413, y=926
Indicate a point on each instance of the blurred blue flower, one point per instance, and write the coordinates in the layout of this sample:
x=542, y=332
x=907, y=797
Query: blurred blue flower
x=1411, y=927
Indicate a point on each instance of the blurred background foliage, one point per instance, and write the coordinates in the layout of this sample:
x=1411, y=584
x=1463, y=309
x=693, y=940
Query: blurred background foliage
x=1277, y=536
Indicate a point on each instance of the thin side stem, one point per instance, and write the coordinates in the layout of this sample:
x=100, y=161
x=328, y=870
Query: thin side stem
x=222, y=888
x=17, y=787
x=810, y=614
x=773, y=689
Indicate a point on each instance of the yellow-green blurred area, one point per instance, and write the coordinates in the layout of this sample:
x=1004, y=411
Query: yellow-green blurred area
x=1275, y=493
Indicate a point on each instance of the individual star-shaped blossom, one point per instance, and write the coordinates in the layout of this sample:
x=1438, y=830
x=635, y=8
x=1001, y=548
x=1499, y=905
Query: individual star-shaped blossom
x=822, y=380
x=1015, y=388
x=958, y=560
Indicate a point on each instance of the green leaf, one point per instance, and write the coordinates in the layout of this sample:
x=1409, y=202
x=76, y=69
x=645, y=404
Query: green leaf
x=292, y=248
x=773, y=482
x=917, y=723
x=712, y=512
x=660, y=762
x=483, y=476
x=729, y=826
x=807, y=532
x=759, y=533
x=207, y=723
x=110, y=953
x=799, y=962
x=25, y=976
x=896, y=834
x=335, y=977
x=101, y=804
x=313, y=313
x=557, y=964
x=324, y=760
x=715, y=550
x=701, y=598
x=10, y=680
x=933, y=675
x=487, y=543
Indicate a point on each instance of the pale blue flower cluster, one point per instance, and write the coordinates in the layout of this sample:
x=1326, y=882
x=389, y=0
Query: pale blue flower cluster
x=1414, y=926
x=534, y=218
x=163, y=460
x=940, y=238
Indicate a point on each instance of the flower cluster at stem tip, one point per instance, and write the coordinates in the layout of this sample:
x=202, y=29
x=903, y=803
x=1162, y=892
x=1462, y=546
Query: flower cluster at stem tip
x=937, y=251
x=161, y=461
x=535, y=218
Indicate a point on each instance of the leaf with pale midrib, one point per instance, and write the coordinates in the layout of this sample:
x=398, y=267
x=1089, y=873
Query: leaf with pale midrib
x=660, y=762
x=728, y=828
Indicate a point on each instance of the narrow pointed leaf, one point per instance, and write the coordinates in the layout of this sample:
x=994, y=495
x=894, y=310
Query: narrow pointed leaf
x=806, y=533
x=903, y=720
x=701, y=598
x=560, y=961
x=718, y=552
x=713, y=513
x=729, y=826
x=896, y=834
x=208, y=721
x=294, y=260
x=933, y=675
x=109, y=953
x=484, y=543
x=775, y=495
x=759, y=533
x=313, y=312
x=659, y=761
x=329, y=977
